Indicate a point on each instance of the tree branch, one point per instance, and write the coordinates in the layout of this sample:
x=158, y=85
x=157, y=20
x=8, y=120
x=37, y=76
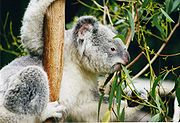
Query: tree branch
x=129, y=34
x=135, y=59
x=156, y=55
x=53, y=46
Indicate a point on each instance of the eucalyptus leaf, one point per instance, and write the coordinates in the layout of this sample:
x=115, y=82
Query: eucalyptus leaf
x=176, y=4
x=120, y=36
x=166, y=15
x=106, y=117
x=108, y=79
x=169, y=6
x=119, y=21
x=158, y=26
x=113, y=89
x=99, y=104
x=118, y=99
x=122, y=116
x=128, y=77
x=145, y=3
x=161, y=103
x=153, y=90
x=156, y=118
x=131, y=22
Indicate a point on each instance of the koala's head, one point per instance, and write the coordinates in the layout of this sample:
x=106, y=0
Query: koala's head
x=96, y=46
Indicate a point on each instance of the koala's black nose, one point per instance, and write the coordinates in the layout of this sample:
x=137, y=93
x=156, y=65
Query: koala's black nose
x=126, y=58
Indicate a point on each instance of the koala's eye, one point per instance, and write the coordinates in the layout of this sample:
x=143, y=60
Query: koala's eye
x=113, y=49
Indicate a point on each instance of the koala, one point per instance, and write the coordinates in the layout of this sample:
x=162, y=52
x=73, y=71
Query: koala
x=90, y=49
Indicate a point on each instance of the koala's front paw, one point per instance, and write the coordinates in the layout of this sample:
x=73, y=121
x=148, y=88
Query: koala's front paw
x=54, y=110
x=27, y=92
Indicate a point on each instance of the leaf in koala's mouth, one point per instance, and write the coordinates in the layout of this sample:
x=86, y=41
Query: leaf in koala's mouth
x=115, y=67
x=108, y=79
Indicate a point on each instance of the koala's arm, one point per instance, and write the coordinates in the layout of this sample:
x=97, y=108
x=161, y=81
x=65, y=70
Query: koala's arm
x=32, y=26
x=24, y=89
x=24, y=92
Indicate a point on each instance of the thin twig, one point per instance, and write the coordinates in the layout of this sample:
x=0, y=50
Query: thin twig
x=88, y=5
x=150, y=33
x=128, y=37
x=97, y=4
x=108, y=14
x=137, y=57
x=129, y=34
x=10, y=51
x=168, y=55
x=127, y=0
x=104, y=16
x=156, y=55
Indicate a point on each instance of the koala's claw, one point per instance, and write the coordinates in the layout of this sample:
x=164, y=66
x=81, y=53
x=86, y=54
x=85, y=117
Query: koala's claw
x=54, y=110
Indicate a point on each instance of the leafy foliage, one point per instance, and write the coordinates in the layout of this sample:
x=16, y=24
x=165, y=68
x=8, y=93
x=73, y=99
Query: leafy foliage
x=9, y=42
x=136, y=21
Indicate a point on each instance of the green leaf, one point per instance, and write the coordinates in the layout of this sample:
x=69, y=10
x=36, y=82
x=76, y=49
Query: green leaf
x=108, y=79
x=120, y=36
x=178, y=89
x=128, y=77
x=112, y=92
x=131, y=22
x=145, y=3
x=118, y=99
x=122, y=116
x=166, y=15
x=119, y=21
x=106, y=117
x=162, y=103
x=99, y=104
x=156, y=118
x=176, y=4
x=153, y=90
x=156, y=23
x=169, y=5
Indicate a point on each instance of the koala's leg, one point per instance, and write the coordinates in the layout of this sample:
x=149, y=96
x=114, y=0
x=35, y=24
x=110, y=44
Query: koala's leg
x=27, y=92
x=9, y=117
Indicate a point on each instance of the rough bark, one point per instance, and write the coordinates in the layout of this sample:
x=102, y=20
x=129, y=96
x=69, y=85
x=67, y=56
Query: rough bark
x=54, y=22
x=53, y=46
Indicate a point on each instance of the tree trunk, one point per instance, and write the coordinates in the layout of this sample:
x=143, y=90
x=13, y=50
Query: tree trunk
x=53, y=47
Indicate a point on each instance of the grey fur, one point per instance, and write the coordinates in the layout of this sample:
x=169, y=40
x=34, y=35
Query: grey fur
x=27, y=92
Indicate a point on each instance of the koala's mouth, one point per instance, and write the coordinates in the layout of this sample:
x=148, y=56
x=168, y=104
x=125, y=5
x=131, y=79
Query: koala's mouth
x=115, y=67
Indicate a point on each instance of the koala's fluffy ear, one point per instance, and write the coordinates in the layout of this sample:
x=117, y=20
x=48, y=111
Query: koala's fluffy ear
x=85, y=25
